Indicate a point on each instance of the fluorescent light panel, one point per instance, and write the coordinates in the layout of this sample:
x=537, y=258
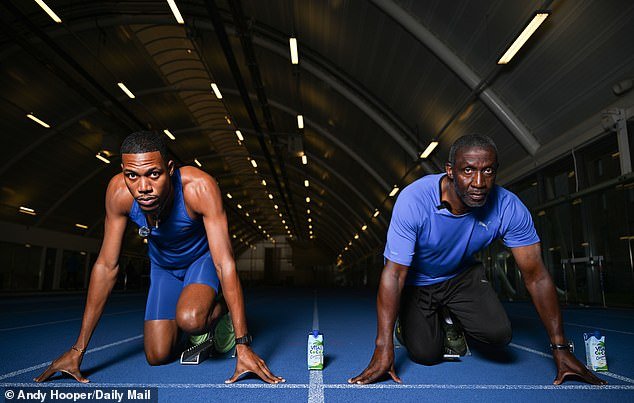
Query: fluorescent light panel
x=229, y=196
x=126, y=90
x=300, y=121
x=27, y=210
x=102, y=158
x=176, y=12
x=38, y=121
x=239, y=135
x=530, y=29
x=82, y=226
x=376, y=213
x=304, y=159
x=294, y=55
x=48, y=11
x=431, y=147
x=255, y=164
x=197, y=162
x=306, y=183
x=394, y=191
x=214, y=87
x=169, y=134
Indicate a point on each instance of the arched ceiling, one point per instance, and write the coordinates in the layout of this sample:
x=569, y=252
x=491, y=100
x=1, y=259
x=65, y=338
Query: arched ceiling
x=376, y=82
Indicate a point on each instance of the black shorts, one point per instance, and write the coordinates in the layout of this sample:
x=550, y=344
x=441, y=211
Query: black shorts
x=470, y=299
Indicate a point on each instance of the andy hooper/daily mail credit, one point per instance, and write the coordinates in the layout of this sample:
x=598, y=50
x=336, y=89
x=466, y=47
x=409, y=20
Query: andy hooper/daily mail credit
x=83, y=394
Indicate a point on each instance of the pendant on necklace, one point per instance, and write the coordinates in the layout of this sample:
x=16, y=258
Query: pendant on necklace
x=144, y=231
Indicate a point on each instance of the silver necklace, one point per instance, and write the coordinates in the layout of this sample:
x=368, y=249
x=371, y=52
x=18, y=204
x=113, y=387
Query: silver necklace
x=145, y=230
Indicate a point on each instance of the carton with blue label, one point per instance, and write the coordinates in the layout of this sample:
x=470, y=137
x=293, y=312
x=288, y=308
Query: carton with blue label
x=596, y=358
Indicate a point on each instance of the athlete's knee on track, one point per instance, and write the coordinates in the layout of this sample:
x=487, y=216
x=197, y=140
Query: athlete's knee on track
x=157, y=356
x=192, y=320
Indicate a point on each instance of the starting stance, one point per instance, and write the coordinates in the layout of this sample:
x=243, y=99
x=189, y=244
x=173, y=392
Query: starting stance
x=180, y=212
x=438, y=223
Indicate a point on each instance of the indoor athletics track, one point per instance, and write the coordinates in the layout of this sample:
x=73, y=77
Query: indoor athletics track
x=35, y=330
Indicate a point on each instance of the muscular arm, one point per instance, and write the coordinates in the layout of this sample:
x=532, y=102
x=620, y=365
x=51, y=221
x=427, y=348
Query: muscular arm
x=387, y=306
x=388, y=302
x=542, y=290
x=102, y=279
x=104, y=272
x=204, y=198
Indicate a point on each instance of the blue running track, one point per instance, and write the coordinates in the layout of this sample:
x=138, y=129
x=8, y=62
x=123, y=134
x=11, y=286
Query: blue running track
x=35, y=330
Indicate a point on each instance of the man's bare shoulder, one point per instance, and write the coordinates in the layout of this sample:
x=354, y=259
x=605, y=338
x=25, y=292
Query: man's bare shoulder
x=199, y=188
x=118, y=197
x=194, y=179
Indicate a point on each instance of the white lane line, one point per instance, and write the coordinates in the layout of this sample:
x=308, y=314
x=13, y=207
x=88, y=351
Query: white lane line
x=46, y=364
x=160, y=385
x=6, y=329
x=579, y=325
x=325, y=386
x=606, y=373
x=316, y=387
x=479, y=386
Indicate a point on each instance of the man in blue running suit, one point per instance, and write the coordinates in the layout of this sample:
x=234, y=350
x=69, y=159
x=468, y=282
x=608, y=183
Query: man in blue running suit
x=180, y=212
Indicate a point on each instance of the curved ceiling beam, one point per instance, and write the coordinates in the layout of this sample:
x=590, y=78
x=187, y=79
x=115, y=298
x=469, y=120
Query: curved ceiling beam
x=412, y=25
x=313, y=63
x=354, y=227
x=313, y=157
x=312, y=178
x=53, y=132
x=347, y=93
x=350, y=186
x=70, y=191
x=319, y=129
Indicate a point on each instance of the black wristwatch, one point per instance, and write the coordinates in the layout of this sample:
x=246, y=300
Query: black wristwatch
x=246, y=340
x=566, y=346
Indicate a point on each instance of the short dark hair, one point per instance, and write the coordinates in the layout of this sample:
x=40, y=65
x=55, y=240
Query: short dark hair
x=471, y=141
x=145, y=142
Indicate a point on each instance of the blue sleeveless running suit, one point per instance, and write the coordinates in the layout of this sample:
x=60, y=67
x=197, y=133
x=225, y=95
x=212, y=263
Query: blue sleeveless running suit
x=179, y=255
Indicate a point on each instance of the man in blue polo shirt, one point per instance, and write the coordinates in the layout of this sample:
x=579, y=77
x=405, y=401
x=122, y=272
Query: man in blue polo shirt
x=438, y=223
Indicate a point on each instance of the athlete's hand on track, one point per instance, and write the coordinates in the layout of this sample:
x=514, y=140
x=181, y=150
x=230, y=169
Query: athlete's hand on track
x=67, y=363
x=248, y=361
x=568, y=365
x=381, y=364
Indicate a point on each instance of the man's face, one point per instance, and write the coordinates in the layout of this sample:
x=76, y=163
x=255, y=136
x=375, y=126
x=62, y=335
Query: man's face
x=147, y=177
x=473, y=174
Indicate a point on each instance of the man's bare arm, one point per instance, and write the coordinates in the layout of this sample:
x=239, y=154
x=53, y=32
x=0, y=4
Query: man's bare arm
x=102, y=280
x=387, y=306
x=542, y=290
x=204, y=198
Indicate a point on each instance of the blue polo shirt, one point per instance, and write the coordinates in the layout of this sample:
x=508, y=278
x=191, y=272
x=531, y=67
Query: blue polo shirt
x=437, y=245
